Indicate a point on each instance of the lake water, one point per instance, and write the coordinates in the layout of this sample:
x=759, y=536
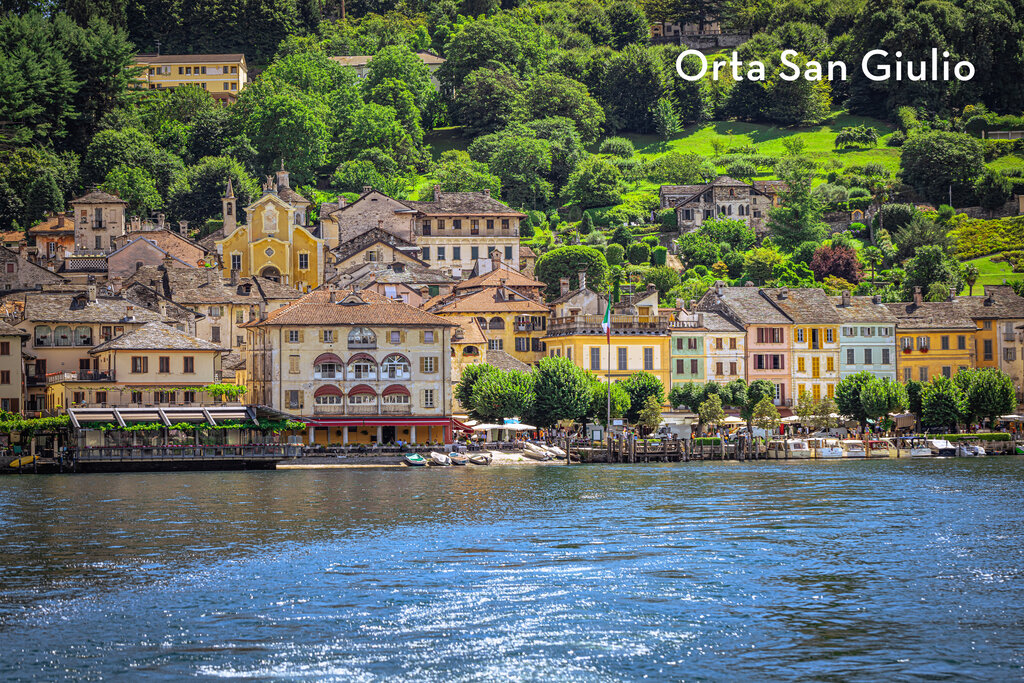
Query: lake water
x=874, y=570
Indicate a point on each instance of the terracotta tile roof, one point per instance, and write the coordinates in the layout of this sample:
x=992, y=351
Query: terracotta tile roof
x=525, y=252
x=52, y=225
x=490, y=300
x=862, y=309
x=74, y=307
x=937, y=315
x=12, y=236
x=189, y=59
x=292, y=197
x=803, y=305
x=463, y=203
x=513, y=278
x=340, y=307
x=156, y=336
x=471, y=331
x=98, y=197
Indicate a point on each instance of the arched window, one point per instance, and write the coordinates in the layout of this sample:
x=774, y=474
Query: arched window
x=496, y=323
x=43, y=335
x=395, y=366
x=62, y=335
x=396, y=395
x=83, y=336
x=328, y=366
x=362, y=395
x=362, y=366
x=471, y=351
x=328, y=396
x=362, y=338
x=483, y=322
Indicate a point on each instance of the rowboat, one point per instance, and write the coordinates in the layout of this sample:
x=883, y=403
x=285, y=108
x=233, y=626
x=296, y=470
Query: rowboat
x=481, y=458
x=440, y=459
x=414, y=460
x=534, y=452
x=458, y=458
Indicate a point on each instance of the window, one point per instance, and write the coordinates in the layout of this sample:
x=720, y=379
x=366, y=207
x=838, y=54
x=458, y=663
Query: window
x=428, y=398
x=648, y=358
x=136, y=397
x=236, y=262
x=293, y=364
x=693, y=366
x=396, y=399
x=769, y=335
x=850, y=360
x=906, y=374
x=1010, y=355
x=830, y=365
x=101, y=397
x=441, y=254
x=987, y=349
x=679, y=343
x=62, y=335
x=595, y=358
x=732, y=343
x=800, y=335
x=293, y=336
x=303, y=261
x=428, y=365
x=680, y=366
x=830, y=335
x=5, y=376
x=885, y=357
x=801, y=364
x=495, y=344
x=327, y=336
x=947, y=371
x=815, y=367
x=426, y=253
x=923, y=343
x=328, y=399
x=188, y=365
x=362, y=338
x=490, y=224
x=961, y=342
x=718, y=343
x=867, y=356
x=395, y=366
x=428, y=337
x=691, y=343
x=732, y=368
x=426, y=227
x=908, y=343
x=522, y=344
x=215, y=334
x=985, y=325
x=324, y=370
x=456, y=253
x=140, y=364
x=474, y=253
x=5, y=348
x=395, y=337
x=99, y=242
x=508, y=253
x=293, y=399
x=944, y=342
x=227, y=86
x=504, y=224
x=923, y=374
x=621, y=355
x=719, y=368
x=457, y=224
x=165, y=364
x=362, y=369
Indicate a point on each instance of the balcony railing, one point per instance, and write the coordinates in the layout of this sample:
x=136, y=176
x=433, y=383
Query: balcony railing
x=79, y=376
x=363, y=409
x=328, y=408
x=362, y=345
x=396, y=409
x=618, y=322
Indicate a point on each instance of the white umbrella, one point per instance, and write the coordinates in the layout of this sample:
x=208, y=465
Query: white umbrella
x=733, y=420
x=485, y=427
x=790, y=420
x=519, y=427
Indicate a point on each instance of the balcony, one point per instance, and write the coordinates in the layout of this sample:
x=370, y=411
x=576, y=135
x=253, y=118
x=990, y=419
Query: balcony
x=524, y=327
x=362, y=345
x=79, y=376
x=328, y=408
x=396, y=409
x=363, y=409
x=592, y=324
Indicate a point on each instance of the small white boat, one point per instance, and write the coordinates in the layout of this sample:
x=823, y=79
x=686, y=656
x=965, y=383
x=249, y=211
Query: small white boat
x=483, y=458
x=854, y=449
x=440, y=459
x=877, y=448
x=535, y=452
x=941, y=448
x=909, y=447
x=824, y=448
x=966, y=450
x=799, y=449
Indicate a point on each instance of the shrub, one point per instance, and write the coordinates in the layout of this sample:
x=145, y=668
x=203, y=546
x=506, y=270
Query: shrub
x=659, y=255
x=667, y=217
x=620, y=147
x=639, y=253
x=614, y=254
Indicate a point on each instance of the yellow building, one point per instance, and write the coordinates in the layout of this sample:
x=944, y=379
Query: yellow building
x=154, y=365
x=640, y=334
x=274, y=242
x=814, y=340
x=932, y=338
x=222, y=75
x=357, y=367
x=507, y=304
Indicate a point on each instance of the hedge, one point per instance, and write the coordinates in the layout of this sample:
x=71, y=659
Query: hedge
x=974, y=237
x=990, y=436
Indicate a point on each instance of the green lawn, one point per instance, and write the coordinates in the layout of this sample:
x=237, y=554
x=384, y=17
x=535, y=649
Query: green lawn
x=992, y=273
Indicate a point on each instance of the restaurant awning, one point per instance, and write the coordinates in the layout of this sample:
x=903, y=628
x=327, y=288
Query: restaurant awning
x=167, y=416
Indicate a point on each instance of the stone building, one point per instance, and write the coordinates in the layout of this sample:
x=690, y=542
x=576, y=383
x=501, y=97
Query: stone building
x=99, y=221
x=724, y=197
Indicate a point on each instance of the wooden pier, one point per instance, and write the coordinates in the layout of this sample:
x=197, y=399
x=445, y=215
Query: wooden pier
x=142, y=458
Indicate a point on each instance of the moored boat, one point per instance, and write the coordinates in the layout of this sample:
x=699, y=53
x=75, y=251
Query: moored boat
x=824, y=448
x=877, y=448
x=458, y=458
x=854, y=449
x=414, y=460
x=440, y=459
x=481, y=458
x=909, y=447
x=534, y=452
x=941, y=448
x=798, y=449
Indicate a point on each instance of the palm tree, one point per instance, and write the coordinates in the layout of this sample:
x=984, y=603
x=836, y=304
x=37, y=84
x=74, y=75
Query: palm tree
x=873, y=255
x=971, y=274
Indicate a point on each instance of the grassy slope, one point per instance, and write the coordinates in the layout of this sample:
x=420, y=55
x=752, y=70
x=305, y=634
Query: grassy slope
x=992, y=273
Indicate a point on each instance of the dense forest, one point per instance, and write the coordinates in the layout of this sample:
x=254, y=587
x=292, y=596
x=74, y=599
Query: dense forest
x=539, y=92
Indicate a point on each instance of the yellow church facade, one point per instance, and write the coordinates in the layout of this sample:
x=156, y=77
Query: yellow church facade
x=272, y=243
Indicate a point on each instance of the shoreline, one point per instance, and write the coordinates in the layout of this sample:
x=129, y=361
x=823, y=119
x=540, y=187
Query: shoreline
x=379, y=461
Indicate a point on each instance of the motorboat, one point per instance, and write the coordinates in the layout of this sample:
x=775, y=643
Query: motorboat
x=797, y=449
x=414, y=460
x=878, y=448
x=941, y=448
x=775, y=449
x=909, y=446
x=853, y=448
x=481, y=458
x=825, y=448
x=967, y=450
x=458, y=459
x=440, y=459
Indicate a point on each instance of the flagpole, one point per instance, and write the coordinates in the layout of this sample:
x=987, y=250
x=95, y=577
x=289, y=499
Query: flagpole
x=608, y=371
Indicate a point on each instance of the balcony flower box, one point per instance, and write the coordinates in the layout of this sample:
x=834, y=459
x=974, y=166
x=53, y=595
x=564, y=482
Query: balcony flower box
x=907, y=350
x=924, y=350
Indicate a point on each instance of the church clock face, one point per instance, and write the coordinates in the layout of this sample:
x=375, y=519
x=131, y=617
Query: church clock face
x=269, y=219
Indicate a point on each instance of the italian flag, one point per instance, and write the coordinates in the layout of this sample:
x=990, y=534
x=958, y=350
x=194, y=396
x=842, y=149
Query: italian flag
x=606, y=324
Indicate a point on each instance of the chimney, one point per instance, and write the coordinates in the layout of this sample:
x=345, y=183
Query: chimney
x=341, y=201
x=700, y=320
x=876, y=299
x=160, y=221
x=718, y=287
x=331, y=294
x=563, y=286
x=846, y=297
x=583, y=279
x=495, y=259
x=162, y=307
x=952, y=294
x=263, y=310
x=437, y=193
x=90, y=293
x=211, y=277
x=502, y=282
x=784, y=293
x=691, y=304
x=61, y=220
x=366, y=189
x=168, y=262
x=183, y=227
x=681, y=303
x=136, y=223
x=486, y=192
x=234, y=277
x=990, y=298
x=918, y=298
